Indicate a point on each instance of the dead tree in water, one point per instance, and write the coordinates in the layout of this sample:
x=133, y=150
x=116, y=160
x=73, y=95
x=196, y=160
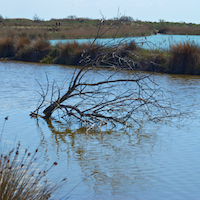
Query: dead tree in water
x=97, y=96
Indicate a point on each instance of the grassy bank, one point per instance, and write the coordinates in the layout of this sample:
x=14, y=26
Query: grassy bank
x=182, y=58
x=73, y=27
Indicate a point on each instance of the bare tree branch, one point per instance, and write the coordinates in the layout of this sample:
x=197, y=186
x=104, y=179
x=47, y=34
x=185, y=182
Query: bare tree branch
x=96, y=97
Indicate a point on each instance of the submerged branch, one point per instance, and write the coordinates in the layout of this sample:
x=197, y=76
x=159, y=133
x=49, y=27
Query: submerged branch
x=97, y=97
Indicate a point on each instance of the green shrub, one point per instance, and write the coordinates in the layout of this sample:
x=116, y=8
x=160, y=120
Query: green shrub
x=47, y=59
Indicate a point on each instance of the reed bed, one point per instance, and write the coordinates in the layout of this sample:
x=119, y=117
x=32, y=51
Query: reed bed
x=23, y=177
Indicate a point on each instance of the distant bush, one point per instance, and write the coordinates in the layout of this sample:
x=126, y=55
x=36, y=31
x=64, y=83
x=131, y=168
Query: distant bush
x=71, y=17
x=126, y=18
x=36, y=18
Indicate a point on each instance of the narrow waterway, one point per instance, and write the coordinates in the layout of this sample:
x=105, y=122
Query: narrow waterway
x=149, y=42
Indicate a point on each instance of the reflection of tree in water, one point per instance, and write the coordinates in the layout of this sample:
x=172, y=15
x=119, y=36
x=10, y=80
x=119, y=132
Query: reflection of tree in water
x=117, y=159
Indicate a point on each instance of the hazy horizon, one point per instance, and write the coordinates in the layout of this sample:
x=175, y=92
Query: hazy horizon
x=144, y=10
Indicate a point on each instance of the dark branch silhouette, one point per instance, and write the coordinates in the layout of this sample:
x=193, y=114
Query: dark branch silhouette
x=97, y=96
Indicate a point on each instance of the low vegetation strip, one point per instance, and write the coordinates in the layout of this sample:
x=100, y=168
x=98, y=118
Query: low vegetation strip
x=73, y=27
x=182, y=58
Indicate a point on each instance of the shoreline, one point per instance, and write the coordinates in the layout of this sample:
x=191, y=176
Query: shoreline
x=181, y=58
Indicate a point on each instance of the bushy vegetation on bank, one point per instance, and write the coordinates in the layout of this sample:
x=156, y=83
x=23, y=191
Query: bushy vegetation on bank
x=182, y=58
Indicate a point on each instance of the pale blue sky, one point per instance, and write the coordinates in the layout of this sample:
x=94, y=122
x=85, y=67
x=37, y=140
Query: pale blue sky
x=145, y=10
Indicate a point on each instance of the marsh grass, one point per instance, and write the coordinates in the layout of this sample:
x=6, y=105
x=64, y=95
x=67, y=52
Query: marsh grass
x=71, y=28
x=22, y=176
x=184, y=58
x=71, y=53
x=21, y=42
x=32, y=51
x=7, y=47
x=41, y=45
x=180, y=30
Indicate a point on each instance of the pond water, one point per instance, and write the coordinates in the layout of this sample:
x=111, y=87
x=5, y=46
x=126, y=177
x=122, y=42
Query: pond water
x=148, y=42
x=157, y=161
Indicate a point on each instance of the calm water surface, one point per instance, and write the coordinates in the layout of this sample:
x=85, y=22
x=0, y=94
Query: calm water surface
x=157, y=161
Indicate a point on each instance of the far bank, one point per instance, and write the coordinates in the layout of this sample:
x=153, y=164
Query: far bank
x=180, y=58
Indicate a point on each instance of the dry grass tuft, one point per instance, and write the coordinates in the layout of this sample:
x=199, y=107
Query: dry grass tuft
x=20, y=178
x=6, y=47
x=184, y=58
x=67, y=49
x=41, y=45
x=21, y=42
x=73, y=53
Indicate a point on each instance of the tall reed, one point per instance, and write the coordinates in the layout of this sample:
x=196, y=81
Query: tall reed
x=22, y=178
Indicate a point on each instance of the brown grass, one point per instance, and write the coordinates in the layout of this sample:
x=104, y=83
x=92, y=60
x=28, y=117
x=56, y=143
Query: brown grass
x=33, y=51
x=72, y=53
x=41, y=45
x=21, y=42
x=184, y=58
x=70, y=29
x=180, y=30
x=6, y=47
x=68, y=48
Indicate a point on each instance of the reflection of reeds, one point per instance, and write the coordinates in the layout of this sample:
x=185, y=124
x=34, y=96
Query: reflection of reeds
x=184, y=58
